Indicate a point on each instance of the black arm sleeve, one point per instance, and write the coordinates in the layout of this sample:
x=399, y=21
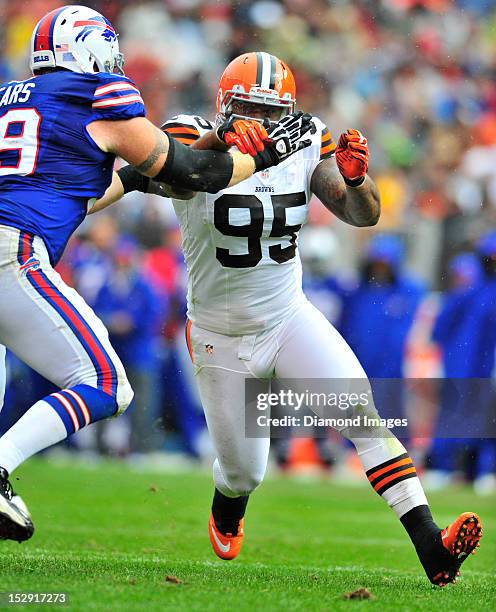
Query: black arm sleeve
x=132, y=180
x=187, y=168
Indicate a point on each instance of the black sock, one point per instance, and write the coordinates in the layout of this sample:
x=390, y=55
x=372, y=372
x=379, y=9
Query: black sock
x=426, y=537
x=228, y=511
x=419, y=524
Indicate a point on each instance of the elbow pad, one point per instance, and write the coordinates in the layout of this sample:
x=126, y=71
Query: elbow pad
x=196, y=170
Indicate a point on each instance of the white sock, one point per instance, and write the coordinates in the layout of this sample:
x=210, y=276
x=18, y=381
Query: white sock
x=39, y=428
x=405, y=496
x=378, y=456
x=373, y=451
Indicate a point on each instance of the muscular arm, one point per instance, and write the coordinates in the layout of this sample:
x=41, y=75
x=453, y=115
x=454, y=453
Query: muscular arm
x=358, y=206
x=208, y=141
x=145, y=147
x=116, y=190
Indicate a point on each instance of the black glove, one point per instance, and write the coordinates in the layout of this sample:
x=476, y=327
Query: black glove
x=285, y=139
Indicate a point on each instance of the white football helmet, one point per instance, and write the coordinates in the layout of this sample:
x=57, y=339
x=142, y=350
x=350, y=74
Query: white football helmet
x=76, y=38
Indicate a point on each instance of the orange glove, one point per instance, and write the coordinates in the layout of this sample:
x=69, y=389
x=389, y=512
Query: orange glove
x=248, y=136
x=352, y=157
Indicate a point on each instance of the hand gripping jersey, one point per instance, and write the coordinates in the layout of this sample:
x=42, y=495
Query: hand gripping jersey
x=49, y=165
x=240, y=244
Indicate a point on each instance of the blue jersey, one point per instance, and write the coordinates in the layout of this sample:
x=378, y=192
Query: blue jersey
x=50, y=167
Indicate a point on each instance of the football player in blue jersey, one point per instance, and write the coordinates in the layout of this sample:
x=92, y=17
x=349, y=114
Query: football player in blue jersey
x=60, y=132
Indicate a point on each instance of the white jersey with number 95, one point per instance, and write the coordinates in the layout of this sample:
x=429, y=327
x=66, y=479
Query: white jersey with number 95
x=240, y=245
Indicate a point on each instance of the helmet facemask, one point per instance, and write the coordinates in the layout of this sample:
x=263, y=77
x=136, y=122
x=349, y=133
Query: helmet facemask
x=267, y=106
x=118, y=65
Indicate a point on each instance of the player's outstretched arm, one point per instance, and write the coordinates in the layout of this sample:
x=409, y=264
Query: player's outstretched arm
x=280, y=140
x=142, y=183
x=342, y=184
x=248, y=136
x=209, y=141
x=129, y=179
x=180, y=167
x=153, y=154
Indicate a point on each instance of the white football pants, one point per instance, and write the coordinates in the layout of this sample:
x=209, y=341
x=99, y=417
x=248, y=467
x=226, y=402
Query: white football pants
x=2, y=375
x=49, y=326
x=303, y=346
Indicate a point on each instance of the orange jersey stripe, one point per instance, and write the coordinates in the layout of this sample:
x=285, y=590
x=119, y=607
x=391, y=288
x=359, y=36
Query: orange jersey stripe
x=188, y=340
x=328, y=148
x=182, y=130
x=384, y=481
x=325, y=137
x=388, y=468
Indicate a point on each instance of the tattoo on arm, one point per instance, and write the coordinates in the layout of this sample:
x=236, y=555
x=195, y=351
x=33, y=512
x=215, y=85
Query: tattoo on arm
x=158, y=150
x=358, y=206
x=209, y=140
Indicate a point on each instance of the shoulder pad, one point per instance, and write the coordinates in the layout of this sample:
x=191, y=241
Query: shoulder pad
x=114, y=90
x=186, y=128
x=323, y=140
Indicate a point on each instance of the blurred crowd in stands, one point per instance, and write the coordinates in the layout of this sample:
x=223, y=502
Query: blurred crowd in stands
x=415, y=296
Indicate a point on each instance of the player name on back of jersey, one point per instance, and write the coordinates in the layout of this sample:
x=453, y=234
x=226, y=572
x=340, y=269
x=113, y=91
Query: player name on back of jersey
x=16, y=94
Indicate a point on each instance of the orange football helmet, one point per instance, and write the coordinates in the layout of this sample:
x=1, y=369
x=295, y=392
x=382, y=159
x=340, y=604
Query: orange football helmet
x=257, y=78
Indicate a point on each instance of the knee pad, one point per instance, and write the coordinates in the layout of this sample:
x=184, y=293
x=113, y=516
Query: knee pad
x=243, y=483
x=236, y=482
x=124, y=396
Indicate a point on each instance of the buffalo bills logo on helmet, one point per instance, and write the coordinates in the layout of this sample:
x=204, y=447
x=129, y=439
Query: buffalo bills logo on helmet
x=109, y=35
x=98, y=22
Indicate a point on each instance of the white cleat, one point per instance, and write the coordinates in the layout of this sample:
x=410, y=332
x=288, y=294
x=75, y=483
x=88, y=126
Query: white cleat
x=15, y=520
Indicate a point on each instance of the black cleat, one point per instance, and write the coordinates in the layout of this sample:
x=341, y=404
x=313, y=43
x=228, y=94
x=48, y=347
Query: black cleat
x=15, y=521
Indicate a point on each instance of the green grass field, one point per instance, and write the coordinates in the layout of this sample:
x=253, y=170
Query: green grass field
x=110, y=537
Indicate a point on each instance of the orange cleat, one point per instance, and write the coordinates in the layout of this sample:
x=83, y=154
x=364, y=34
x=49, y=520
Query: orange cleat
x=226, y=546
x=460, y=539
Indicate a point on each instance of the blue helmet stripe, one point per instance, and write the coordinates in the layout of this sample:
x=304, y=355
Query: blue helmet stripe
x=52, y=25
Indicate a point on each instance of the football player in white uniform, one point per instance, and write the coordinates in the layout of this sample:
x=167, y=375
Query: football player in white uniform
x=248, y=318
